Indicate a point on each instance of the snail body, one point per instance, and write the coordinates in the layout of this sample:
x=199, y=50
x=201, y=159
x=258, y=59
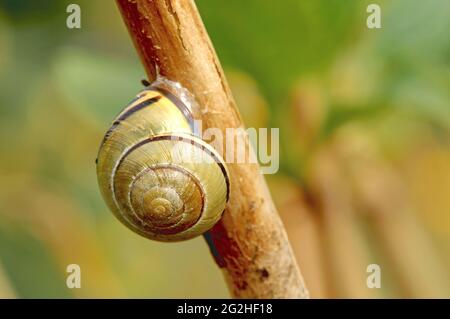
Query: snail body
x=156, y=175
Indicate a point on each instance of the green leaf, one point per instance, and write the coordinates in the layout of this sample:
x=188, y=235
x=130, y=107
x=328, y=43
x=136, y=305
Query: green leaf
x=28, y=264
x=95, y=85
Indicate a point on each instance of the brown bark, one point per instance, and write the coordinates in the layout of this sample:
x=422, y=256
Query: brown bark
x=249, y=243
x=304, y=228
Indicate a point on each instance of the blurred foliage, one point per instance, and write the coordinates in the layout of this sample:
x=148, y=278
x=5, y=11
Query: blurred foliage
x=364, y=118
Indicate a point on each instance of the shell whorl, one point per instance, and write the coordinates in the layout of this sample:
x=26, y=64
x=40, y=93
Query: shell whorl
x=167, y=198
x=157, y=178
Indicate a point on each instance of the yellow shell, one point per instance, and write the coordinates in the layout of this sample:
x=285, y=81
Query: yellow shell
x=157, y=177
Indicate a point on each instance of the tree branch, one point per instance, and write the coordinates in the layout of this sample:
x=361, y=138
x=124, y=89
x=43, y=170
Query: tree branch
x=249, y=243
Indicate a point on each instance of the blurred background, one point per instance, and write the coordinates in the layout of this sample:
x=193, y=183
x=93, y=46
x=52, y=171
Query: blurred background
x=364, y=118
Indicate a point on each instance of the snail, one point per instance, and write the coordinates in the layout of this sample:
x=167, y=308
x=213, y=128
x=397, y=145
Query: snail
x=156, y=174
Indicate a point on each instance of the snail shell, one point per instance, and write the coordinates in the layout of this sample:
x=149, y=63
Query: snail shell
x=156, y=176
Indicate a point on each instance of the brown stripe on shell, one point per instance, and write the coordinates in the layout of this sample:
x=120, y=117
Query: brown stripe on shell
x=174, y=228
x=139, y=107
x=128, y=113
x=184, y=109
x=183, y=139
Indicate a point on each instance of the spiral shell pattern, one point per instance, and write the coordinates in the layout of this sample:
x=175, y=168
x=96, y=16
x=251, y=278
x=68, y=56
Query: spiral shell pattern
x=157, y=178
